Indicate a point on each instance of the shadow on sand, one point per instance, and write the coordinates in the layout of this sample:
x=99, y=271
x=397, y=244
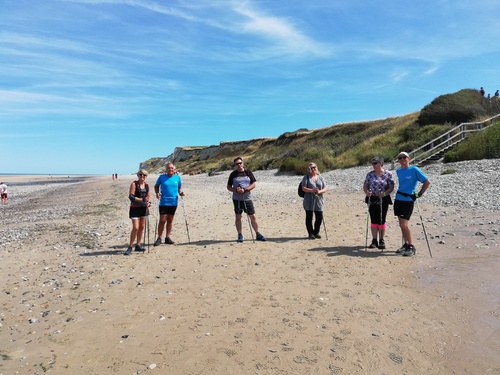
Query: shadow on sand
x=247, y=240
x=354, y=251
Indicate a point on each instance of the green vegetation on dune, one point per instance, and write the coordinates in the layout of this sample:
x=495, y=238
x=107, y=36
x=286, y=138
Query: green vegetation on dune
x=481, y=145
x=463, y=106
x=354, y=144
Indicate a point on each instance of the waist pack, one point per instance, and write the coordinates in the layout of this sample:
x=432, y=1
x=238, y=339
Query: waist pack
x=412, y=196
x=376, y=200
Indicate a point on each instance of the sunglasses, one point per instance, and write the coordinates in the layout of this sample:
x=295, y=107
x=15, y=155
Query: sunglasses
x=402, y=157
x=238, y=163
x=141, y=174
x=374, y=162
x=312, y=167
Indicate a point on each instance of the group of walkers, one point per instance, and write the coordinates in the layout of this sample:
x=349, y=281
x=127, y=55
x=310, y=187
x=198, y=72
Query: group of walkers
x=495, y=95
x=168, y=188
x=378, y=186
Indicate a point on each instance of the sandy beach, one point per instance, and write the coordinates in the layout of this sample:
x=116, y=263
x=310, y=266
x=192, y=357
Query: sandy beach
x=73, y=304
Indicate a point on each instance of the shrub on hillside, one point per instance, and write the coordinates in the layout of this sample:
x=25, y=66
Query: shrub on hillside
x=415, y=136
x=481, y=145
x=463, y=106
x=299, y=165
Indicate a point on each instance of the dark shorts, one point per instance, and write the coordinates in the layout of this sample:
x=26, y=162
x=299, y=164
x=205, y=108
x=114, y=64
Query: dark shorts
x=4, y=195
x=243, y=206
x=137, y=212
x=403, y=209
x=167, y=210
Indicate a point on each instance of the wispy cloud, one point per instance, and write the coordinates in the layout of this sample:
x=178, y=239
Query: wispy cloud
x=239, y=18
x=288, y=38
x=199, y=69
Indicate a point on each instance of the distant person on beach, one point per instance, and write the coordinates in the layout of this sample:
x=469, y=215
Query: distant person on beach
x=116, y=176
x=139, y=210
x=314, y=186
x=113, y=176
x=241, y=182
x=481, y=91
x=408, y=178
x=3, y=192
x=496, y=94
x=378, y=187
x=168, y=187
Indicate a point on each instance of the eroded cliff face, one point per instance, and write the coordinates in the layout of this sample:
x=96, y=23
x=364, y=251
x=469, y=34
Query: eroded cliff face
x=181, y=154
x=185, y=155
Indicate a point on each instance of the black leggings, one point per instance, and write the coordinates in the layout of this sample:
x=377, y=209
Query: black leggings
x=317, y=222
x=374, y=209
x=375, y=213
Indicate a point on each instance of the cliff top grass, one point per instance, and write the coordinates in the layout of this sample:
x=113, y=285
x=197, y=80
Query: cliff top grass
x=350, y=144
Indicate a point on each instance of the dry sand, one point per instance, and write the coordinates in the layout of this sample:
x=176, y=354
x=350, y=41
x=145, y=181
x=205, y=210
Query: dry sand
x=73, y=304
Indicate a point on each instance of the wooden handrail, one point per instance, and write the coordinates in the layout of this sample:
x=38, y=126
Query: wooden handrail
x=448, y=139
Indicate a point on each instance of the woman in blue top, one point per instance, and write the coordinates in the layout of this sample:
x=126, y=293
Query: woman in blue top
x=408, y=177
x=168, y=187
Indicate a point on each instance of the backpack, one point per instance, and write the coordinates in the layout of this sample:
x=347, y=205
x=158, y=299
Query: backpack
x=300, y=191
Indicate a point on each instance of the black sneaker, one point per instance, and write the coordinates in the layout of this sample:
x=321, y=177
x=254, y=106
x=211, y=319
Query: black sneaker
x=157, y=242
x=402, y=249
x=129, y=251
x=168, y=241
x=240, y=238
x=311, y=237
x=260, y=237
x=381, y=244
x=410, y=251
x=139, y=248
x=374, y=244
x=317, y=235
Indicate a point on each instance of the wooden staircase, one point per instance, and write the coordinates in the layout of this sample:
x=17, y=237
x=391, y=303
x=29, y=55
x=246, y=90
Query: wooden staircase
x=435, y=149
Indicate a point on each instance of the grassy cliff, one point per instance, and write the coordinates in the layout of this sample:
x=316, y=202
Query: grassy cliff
x=343, y=145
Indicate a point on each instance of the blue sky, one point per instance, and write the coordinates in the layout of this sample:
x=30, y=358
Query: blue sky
x=97, y=86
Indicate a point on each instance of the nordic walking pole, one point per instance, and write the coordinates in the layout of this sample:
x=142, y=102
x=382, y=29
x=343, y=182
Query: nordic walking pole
x=144, y=240
x=147, y=219
x=246, y=211
x=322, y=218
x=248, y=218
x=185, y=220
x=156, y=224
x=367, y=221
x=381, y=223
x=324, y=227
x=423, y=227
x=148, y=232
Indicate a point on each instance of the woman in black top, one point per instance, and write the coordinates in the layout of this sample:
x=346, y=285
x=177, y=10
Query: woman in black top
x=139, y=210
